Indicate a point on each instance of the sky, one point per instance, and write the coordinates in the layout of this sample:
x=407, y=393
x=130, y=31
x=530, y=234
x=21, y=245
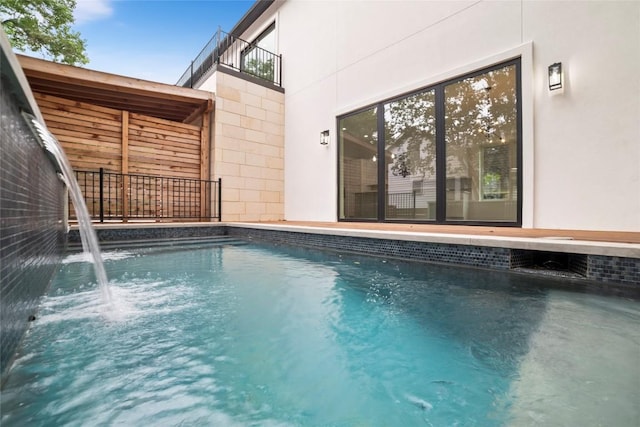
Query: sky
x=151, y=39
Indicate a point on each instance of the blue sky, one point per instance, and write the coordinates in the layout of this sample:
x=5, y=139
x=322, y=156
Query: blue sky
x=151, y=39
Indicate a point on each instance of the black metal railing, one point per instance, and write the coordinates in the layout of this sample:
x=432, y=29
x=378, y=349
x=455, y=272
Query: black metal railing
x=237, y=54
x=123, y=197
x=401, y=205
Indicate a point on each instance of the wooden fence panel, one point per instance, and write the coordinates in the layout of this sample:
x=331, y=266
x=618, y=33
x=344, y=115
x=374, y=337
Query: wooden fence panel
x=89, y=135
x=95, y=137
x=162, y=147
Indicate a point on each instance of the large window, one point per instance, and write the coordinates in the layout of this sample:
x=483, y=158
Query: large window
x=449, y=153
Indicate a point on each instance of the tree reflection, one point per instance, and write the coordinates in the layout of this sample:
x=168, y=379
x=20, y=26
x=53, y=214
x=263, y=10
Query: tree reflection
x=479, y=111
x=479, y=118
x=410, y=129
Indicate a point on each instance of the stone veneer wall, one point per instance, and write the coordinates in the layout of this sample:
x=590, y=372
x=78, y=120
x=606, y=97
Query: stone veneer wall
x=32, y=230
x=248, y=149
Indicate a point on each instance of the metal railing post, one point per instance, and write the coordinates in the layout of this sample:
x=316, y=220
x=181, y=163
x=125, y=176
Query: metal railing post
x=101, y=194
x=191, y=78
x=216, y=49
x=219, y=199
x=414, y=204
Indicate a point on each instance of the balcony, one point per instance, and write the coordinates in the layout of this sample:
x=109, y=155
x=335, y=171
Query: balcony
x=229, y=51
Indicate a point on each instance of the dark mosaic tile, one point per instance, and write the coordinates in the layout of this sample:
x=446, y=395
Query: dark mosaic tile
x=600, y=269
x=123, y=234
x=614, y=269
x=477, y=256
x=32, y=235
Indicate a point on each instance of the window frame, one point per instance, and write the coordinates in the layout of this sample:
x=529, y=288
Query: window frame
x=438, y=88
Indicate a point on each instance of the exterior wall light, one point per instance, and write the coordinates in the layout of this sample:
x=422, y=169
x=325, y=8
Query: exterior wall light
x=555, y=76
x=324, y=137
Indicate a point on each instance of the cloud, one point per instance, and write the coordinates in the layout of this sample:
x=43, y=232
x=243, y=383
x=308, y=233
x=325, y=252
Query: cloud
x=92, y=10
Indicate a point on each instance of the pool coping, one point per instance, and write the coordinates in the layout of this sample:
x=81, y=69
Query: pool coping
x=546, y=244
x=551, y=243
x=615, y=263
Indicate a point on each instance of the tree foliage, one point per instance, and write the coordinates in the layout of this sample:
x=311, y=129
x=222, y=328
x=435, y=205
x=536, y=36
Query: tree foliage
x=478, y=111
x=260, y=68
x=44, y=26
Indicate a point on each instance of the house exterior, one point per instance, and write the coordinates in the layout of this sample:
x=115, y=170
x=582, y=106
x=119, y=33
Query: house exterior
x=444, y=112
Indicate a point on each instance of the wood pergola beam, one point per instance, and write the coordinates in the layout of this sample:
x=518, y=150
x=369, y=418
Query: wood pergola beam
x=95, y=87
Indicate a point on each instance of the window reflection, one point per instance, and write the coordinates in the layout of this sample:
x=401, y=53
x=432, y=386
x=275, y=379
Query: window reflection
x=359, y=165
x=468, y=168
x=410, y=156
x=481, y=147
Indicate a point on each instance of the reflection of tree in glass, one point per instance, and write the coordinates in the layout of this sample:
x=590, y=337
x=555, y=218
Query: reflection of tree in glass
x=479, y=111
x=260, y=68
x=401, y=165
x=410, y=134
x=361, y=127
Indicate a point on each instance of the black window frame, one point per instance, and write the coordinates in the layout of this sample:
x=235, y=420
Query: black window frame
x=438, y=88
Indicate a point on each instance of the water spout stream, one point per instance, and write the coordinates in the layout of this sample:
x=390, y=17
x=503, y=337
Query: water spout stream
x=87, y=232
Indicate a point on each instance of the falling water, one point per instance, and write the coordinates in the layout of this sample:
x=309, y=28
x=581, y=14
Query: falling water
x=87, y=232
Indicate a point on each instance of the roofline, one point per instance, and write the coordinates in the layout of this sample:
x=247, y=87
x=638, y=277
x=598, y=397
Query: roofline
x=252, y=15
x=100, y=79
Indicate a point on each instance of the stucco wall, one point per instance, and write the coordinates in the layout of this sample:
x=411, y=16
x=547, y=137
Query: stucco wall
x=581, y=149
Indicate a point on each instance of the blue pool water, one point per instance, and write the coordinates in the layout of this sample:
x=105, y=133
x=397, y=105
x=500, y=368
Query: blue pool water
x=252, y=335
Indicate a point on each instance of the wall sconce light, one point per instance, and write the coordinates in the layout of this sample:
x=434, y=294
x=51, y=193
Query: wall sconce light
x=324, y=137
x=555, y=76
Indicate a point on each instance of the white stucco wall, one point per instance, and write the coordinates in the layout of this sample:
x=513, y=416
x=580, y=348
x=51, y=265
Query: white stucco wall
x=581, y=148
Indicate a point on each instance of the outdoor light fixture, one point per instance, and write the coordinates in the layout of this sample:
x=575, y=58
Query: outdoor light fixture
x=555, y=76
x=324, y=137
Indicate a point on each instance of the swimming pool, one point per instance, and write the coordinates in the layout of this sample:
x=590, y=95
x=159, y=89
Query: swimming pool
x=251, y=334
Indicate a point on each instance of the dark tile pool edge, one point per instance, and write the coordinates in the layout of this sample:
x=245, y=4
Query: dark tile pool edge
x=624, y=272
x=150, y=232
x=621, y=272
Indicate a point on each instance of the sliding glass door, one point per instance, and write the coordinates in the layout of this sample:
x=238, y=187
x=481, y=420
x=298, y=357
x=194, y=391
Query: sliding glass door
x=449, y=153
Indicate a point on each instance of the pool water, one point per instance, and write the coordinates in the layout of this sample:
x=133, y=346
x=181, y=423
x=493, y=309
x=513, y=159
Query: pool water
x=258, y=335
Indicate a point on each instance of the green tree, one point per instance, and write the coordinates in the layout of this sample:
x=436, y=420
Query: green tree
x=258, y=68
x=44, y=26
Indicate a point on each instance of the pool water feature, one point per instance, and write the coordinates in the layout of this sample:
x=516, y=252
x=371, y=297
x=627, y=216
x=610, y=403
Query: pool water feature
x=232, y=334
x=88, y=235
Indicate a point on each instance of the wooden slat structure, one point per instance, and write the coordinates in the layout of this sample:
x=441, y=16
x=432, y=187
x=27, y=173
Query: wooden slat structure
x=125, y=125
x=154, y=99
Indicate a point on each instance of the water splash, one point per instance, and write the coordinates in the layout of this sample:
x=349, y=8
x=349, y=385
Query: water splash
x=87, y=232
